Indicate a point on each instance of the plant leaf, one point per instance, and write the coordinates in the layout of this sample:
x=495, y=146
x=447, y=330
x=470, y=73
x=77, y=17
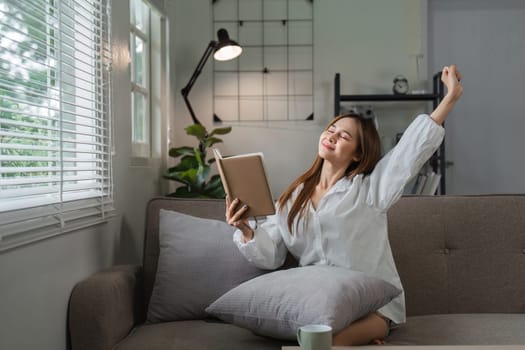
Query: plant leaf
x=216, y=192
x=186, y=162
x=212, y=140
x=188, y=177
x=176, y=177
x=196, y=130
x=215, y=181
x=198, y=157
x=201, y=176
x=221, y=131
x=179, y=151
x=201, y=172
x=214, y=187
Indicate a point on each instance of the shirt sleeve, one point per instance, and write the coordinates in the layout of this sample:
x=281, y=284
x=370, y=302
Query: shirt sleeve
x=267, y=249
x=419, y=141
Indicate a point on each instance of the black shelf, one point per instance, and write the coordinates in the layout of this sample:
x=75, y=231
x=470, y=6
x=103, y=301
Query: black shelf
x=381, y=98
x=437, y=162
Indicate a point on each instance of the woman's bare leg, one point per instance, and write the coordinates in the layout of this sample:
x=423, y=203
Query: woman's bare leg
x=363, y=331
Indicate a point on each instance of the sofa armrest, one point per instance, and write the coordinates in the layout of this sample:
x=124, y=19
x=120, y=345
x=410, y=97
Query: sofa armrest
x=105, y=307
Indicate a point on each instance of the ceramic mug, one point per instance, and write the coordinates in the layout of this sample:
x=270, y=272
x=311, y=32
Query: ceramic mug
x=315, y=337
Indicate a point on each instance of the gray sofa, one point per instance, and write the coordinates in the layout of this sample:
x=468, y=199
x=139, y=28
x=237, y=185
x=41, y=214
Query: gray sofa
x=461, y=260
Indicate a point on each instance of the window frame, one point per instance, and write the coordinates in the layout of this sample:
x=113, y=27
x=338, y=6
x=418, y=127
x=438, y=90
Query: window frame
x=141, y=148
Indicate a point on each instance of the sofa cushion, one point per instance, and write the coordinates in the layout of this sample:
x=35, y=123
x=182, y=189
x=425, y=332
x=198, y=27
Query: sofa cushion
x=276, y=304
x=460, y=329
x=197, y=334
x=198, y=262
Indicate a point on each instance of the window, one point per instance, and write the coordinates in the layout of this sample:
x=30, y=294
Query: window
x=140, y=78
x=149, y=83
x=55, y=127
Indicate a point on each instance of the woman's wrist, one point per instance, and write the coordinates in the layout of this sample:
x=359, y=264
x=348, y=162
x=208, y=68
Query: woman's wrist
x=445, y=106
x=247, y=234
x=246, y=237
x=453, y=95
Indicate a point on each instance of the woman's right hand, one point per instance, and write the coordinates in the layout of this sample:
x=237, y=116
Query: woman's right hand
x=234, y=212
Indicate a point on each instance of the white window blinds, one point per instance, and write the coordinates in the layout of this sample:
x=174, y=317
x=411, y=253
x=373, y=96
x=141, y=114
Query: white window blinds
x=55, y=126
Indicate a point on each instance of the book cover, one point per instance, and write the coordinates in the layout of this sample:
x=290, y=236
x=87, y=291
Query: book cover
x=244, y=177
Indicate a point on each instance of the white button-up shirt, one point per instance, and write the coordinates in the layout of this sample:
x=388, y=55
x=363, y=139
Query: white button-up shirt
x=349, y=226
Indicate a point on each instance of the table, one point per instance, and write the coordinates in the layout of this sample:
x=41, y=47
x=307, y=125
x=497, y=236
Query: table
x=423, y=347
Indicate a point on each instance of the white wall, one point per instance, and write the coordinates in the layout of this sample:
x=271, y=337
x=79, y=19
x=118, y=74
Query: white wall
x=485, y=132
x=368, y=42
x=36, y=280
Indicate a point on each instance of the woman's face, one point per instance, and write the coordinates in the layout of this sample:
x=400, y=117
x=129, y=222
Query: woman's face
x=339, y=144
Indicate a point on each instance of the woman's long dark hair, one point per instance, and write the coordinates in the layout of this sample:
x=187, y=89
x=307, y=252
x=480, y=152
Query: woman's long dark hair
x=369, y=151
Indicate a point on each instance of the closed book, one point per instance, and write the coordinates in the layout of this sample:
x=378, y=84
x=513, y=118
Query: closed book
x=431, y=184
x=244, y=177
x=420, y=183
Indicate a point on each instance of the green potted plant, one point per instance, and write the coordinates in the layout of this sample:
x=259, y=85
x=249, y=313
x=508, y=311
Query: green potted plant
x=193, y=170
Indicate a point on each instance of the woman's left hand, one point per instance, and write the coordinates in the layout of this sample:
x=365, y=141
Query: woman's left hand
x=451, y=77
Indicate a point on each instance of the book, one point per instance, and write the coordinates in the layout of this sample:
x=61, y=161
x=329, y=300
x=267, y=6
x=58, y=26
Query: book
x=419, y=184
x=244, y=177
x=431, y=185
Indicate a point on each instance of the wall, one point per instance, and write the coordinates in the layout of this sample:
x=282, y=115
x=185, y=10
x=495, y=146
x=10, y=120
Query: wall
x=485, y=132
x=36, y=280
x=368, y=42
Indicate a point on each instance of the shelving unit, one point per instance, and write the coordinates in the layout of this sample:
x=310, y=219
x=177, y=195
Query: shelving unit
x=437, y=162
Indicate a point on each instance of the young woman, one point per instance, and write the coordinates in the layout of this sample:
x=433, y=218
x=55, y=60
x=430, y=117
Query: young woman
x=336, y=212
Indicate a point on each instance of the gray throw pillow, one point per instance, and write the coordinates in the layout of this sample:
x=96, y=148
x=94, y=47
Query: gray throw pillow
x=198, y=262
x=278, y=303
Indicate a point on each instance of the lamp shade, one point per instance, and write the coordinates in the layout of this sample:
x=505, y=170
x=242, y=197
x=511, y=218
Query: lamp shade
x=226, y=49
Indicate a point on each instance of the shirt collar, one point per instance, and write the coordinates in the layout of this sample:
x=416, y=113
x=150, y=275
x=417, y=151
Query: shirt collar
x=342, y=185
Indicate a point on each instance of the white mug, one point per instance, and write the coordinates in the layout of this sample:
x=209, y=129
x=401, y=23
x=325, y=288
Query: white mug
x=315, y=337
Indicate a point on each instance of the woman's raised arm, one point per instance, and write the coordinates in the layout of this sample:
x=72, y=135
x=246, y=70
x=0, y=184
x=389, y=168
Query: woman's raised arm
x=451, y=77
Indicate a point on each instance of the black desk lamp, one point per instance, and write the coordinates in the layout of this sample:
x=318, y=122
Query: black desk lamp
x=225, y=49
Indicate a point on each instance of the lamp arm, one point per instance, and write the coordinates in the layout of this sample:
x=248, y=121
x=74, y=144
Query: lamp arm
x=186, y=89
